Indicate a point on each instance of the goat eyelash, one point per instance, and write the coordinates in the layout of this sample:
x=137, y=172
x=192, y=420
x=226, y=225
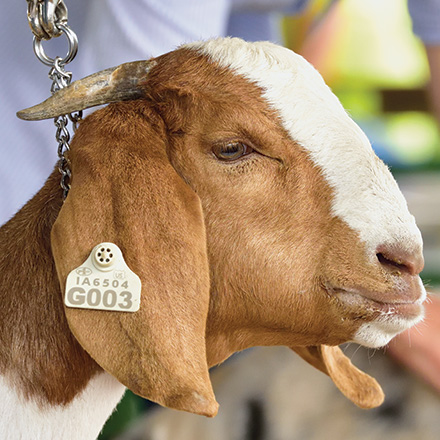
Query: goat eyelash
x=231, y=151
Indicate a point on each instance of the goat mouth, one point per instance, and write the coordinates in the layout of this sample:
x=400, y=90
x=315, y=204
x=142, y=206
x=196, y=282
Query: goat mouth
x=363, y=305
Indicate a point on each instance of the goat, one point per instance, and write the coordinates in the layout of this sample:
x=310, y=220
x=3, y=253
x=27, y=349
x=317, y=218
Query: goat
x=251, y=207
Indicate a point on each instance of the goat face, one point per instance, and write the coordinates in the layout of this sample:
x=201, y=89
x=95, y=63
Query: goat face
x=308, y=233
x=308, y=239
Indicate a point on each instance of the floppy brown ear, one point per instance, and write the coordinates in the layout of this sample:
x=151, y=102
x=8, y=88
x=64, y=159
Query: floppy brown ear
x=124, y=190
x=356, y=385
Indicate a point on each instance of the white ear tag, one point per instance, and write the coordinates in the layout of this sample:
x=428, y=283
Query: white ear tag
x=104, y=282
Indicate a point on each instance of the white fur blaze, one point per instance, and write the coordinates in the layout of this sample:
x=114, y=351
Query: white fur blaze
x=366, y=196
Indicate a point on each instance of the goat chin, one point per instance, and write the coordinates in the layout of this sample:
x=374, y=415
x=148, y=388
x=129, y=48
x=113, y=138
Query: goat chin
x=379, y=333
x=246, y=201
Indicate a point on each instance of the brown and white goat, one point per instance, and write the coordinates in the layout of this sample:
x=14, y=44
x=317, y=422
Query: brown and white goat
x=253, y=210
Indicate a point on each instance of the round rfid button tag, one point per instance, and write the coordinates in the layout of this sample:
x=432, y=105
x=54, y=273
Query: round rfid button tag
x=104, y=282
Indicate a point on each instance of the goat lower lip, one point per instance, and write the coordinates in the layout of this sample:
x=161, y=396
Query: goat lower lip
x=408, y=310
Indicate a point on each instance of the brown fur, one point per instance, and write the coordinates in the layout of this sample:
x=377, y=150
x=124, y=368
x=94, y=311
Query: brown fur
x=254, y=241
x=38, y=353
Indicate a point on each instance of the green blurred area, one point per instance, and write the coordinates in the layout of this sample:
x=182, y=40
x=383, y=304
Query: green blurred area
x=128, y=410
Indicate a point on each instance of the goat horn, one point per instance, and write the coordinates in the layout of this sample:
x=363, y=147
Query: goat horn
x=120, y=83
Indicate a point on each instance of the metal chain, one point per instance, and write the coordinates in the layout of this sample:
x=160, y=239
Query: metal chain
x=60, y=79
x=48, y=19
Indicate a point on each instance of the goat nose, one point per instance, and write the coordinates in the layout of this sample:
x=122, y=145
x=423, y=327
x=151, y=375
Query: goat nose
x=394, y=258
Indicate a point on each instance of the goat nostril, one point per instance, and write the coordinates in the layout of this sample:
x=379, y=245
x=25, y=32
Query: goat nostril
x=384, y=261
x=400, y=261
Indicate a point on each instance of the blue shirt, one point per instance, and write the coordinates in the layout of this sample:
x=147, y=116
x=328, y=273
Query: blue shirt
x=425, y=16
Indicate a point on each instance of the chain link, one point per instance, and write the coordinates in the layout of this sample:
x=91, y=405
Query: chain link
x=48, y=19
x=63, y=137
x=60, y=79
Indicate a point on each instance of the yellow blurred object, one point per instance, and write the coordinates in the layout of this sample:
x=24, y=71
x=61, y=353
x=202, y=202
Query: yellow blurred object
x=368, y=44
x=297, y=28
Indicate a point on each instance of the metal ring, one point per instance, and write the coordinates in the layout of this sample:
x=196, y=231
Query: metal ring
x=44, y=17
x=72, y=40
x=53, y=13
x=34, y=19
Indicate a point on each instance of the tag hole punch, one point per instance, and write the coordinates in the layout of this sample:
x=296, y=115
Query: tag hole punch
x=104, y=257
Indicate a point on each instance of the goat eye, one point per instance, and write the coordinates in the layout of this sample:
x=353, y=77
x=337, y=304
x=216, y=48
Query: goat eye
x=231, y=151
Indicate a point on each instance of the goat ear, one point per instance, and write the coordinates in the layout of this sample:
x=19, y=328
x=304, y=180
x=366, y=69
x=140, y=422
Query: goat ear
x=356, y=385
x=125, y=191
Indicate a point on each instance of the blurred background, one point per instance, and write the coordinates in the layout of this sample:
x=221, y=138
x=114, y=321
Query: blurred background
x=370, y=57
